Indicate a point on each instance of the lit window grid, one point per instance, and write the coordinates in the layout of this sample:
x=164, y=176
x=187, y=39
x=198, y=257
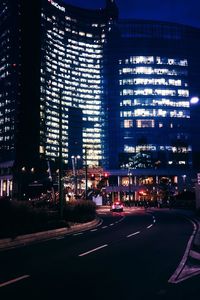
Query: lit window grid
x=156, y=148
x=76, y=91
x=157, y=60
x=176, y=92
x=142, y=112
x=167, y=88
x=155, y=102
x=7, y=75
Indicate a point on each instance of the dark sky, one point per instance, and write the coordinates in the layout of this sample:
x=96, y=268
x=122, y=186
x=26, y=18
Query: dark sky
x=179, y=11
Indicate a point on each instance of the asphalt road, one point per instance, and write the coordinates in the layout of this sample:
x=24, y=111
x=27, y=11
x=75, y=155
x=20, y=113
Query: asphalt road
x=129, y=256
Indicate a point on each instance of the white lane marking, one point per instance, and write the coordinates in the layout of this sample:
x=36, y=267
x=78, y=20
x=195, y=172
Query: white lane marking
x=154, y=221
x=194, y=254
x=174, y=277
x=104, y=227
x=93, y=250
x=111, y=224
x=59, y=238
x=137, y=232
x=79, y=233
x=93, y=230
x=149, y=226
x=121, y=219
x=14, y=280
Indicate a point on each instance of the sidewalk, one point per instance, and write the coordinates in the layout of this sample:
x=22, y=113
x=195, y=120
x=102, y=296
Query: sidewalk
x=26, y=239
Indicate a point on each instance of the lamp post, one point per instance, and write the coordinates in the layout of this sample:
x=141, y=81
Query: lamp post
x=86, y=174
x=129, y=185
x=75, y=170
x=60, y=183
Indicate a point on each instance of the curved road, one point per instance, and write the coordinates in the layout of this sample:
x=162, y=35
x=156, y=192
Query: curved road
x=130, y=255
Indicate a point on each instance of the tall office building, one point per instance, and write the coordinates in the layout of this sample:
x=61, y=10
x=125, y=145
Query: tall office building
x=51, y=61
x=156, y=74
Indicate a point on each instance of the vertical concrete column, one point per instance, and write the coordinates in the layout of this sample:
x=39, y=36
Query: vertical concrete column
x=7, y=187
x=118, y=184
x=1, y=188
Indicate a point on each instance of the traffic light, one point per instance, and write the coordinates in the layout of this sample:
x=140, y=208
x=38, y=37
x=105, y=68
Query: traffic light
x=92, y=177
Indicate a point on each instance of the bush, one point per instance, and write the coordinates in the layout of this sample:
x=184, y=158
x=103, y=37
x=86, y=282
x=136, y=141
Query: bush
x=185, y=200
x=18, y=217
x=80, y=211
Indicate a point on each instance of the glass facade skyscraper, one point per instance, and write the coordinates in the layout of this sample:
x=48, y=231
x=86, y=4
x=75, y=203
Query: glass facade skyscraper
x=154, y=103
x=154, y=79
x=71, y=69
x=58, y=65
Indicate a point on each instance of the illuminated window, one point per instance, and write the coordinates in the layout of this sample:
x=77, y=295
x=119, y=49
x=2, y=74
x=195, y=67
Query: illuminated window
x=128, y=123
x=145, y=123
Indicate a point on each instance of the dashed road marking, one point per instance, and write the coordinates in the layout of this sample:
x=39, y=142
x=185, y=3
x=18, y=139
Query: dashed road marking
x=137, y=232
x=104, y=227
x=93, y=230
x=149, y=226
x=13, y=280
x=93, y=250
x=79, y=233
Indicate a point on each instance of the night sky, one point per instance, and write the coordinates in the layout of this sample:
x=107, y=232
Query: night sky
x=179, y=11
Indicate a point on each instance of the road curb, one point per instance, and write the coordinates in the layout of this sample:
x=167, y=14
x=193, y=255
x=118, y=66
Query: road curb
x=196, y=241
x=26, y=239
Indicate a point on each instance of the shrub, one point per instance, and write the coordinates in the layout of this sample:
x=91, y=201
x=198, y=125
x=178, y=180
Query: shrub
x=184, y=200
x=20, y=218
x=80, y=211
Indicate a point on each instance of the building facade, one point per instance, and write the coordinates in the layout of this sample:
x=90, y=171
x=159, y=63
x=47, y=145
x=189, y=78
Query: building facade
x=156, y=74
x=57, y=66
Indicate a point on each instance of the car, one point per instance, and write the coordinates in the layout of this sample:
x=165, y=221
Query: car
x=117, y=206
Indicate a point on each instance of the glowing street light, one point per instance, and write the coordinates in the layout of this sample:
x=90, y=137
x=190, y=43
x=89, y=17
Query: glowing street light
x=129, y=185
x=194, y=100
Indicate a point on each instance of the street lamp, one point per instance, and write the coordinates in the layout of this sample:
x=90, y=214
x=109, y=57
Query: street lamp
x=86, y=174
x=194, y=100
x=129, y=185
x=75, y=171
x=60, y=179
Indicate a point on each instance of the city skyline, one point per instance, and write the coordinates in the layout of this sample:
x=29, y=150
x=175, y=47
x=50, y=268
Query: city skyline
x=129, y=82
x=178, y=11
